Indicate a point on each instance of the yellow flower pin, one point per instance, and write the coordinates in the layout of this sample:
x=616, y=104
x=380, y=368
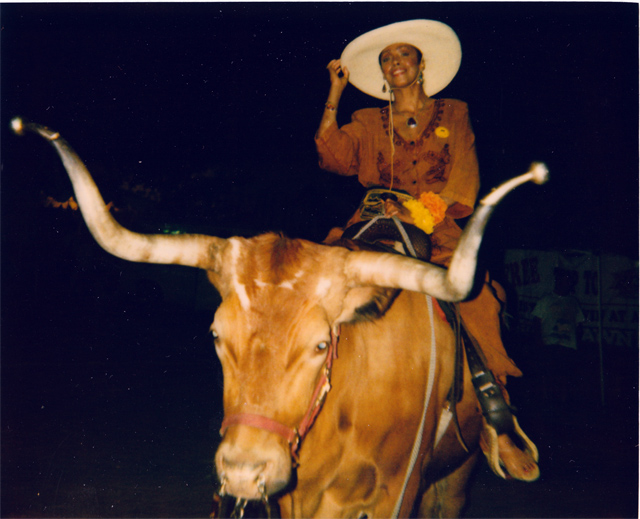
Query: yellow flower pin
x=442, y=132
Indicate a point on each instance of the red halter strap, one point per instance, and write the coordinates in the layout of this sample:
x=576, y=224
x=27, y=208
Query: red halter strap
x=295, y=435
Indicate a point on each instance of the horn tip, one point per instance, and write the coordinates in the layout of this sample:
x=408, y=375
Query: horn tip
x=540, y=173
x=17, y=125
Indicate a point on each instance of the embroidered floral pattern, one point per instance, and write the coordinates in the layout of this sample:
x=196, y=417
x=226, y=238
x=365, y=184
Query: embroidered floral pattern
x=408, y=153
x=385, y=171
x=436, y=116
x=436, y=173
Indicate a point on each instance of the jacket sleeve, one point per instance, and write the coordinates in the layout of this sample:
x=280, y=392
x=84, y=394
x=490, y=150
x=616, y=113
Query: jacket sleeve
x=464, y=180
x=339, y=148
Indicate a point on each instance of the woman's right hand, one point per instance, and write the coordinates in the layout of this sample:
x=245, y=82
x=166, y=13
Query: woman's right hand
x=338, y=82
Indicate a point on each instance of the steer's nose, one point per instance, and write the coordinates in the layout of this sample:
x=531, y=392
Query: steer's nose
x=252, y=471
x=242, y=479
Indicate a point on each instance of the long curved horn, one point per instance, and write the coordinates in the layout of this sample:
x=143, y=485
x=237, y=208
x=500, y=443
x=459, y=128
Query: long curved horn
x=452, y=284
x=192, y=250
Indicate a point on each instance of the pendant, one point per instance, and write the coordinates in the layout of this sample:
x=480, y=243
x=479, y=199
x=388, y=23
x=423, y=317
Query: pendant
x=411, y=122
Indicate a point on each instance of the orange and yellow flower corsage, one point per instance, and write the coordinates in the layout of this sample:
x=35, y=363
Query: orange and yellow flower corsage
x=427, y=211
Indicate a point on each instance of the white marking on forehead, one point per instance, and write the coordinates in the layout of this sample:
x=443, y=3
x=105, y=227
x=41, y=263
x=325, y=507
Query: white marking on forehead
x=323, y=287
x=240, y=289
x=285, y=284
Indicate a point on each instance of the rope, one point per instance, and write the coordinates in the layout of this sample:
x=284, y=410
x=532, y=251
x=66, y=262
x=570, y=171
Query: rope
x=432, y=361
x=405, y=236
x=391, y=130
x=418, y=441
x=391, y=126
x=400, y=227
x=369, y=224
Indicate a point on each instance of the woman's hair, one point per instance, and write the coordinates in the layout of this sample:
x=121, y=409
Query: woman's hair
x=417, y=50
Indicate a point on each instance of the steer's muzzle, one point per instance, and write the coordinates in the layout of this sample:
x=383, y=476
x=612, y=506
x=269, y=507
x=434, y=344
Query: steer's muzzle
x=251, y=462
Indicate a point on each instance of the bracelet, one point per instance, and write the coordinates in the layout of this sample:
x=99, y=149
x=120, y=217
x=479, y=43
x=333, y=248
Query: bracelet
x=330, y=107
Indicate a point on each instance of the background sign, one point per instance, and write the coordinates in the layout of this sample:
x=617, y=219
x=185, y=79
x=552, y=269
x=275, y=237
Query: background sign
x=606, y=287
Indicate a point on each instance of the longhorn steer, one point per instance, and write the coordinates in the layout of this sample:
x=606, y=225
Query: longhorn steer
x=284, y=302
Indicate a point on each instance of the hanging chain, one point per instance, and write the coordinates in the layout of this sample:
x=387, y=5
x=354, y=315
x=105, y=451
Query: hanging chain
x=241, y=503
x=223, y=483
x=264, y=497
x=238, y=510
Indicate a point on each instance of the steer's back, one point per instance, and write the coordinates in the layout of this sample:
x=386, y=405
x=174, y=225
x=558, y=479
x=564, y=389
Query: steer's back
x=354, y=460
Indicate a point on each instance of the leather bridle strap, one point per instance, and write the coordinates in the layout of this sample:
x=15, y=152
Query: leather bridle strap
x=293, y=435
x=259, y=422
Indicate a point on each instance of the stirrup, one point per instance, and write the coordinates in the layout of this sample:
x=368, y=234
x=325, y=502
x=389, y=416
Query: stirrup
x=489, y=443
x=494, y=407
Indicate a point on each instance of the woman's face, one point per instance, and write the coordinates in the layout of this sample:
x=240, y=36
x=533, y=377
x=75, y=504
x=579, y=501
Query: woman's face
x=400, y=64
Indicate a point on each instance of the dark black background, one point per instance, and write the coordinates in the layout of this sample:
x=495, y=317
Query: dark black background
x=159, y=92
x=110, y=387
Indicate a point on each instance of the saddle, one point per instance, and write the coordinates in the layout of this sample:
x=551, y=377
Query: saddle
x=391, y=235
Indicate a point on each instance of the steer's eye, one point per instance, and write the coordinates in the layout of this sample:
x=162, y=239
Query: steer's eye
x=322, y=346
x=214, y=334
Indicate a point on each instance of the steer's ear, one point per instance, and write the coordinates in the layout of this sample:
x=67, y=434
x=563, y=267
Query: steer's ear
x=366, y=304
x=363, y=303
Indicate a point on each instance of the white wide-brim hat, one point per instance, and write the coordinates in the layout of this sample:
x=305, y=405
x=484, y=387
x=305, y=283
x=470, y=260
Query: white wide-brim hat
x=437, y=41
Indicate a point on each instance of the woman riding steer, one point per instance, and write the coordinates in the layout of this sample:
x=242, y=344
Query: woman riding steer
x=421, y=150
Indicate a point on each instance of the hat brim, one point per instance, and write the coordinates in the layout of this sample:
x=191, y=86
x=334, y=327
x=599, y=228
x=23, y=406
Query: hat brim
x=438, y=43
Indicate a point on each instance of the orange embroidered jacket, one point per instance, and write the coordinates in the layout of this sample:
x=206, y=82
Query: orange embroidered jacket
x=441, y=159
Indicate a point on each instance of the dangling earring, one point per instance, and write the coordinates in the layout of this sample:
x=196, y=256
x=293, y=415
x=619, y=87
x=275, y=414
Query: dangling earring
x=420, y=78
x=389, y=89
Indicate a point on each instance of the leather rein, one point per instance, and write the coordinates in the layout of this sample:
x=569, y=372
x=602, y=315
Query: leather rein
x=293, y=435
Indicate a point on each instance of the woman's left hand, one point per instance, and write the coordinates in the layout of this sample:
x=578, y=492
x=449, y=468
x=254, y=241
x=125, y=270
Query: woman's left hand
x=394, y=208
